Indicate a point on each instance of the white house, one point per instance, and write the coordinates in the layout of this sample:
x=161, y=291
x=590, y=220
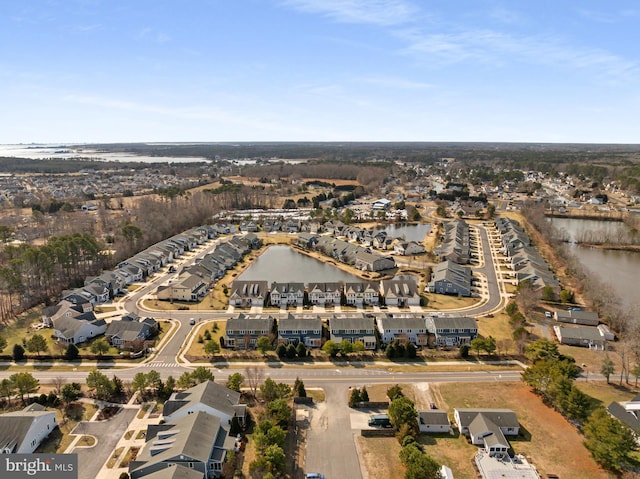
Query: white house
x=21, y=432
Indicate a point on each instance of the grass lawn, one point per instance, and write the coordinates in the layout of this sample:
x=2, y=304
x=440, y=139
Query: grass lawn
x=114, y=457
x=197, y=348
x=317, y=394
x=379, y=456
x=604, y=394
x=60, y=439
x=444, y=301
x=498, y=327
x=104, y=309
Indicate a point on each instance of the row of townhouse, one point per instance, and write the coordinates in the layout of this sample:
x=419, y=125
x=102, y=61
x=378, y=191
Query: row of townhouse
x=194, y=437
x=352, y=254
x=448, y=277
x=455, y=244
x=525, y=261
x=373, y=238
x=243, y=331
x=73, y=319
x=396, y=292
x=194, y=282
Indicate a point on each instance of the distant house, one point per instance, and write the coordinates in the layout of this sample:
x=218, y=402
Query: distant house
x=381, y=204
x=124, y=332
x=400, y=292
x=209, y=397
x=404, y=329
x=585, y=318
x=450, y=278
x=488, y=427
x=190, y=447
x=243, y=331
x=248, y=293
x=186, y=287
x=353, y=329
x=285, y=294
x=585, y=336
x=407, y=248
x=71, y=324
x=325, y=293
x=452, y=331
x=362, y=293
x=434, y=420
x=307, y=330
x=21, y=432
x=367, y=261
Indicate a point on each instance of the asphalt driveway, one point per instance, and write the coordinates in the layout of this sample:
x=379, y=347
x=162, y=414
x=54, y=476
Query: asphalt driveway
x=107, y=433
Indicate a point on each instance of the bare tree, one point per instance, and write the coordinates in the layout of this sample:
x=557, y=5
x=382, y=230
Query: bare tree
x=254, y=377
x=58, y=382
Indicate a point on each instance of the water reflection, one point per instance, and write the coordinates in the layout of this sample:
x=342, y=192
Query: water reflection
x=284, y=264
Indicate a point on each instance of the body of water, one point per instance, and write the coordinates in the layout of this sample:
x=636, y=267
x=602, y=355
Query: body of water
x=408, y=232
x=619, y=269
x=577, y=230
x=284, y=264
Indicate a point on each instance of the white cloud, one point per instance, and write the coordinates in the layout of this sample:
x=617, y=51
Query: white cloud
x=493, y=47
x=377, y=12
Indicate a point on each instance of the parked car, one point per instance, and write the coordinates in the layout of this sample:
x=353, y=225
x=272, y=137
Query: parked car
x=380, y=420
x=313, y=475
x=547, y=314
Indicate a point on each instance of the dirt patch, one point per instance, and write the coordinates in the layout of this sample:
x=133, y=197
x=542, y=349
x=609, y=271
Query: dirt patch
x=379, y=457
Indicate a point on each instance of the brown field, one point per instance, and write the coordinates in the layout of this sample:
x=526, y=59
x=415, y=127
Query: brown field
x=545, y=431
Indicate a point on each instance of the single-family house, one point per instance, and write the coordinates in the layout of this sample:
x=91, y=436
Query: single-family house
x=243, y=331
x=488, y=427
x=186, y=287
x=449, y=331
x=367, y=261
x=21, y=432
x=72, y=324
x=408, y=248
x=295, y=329
x=628, y=413
x=123, y=333
x=434, y=420
x=585, y=336
x=585, y=318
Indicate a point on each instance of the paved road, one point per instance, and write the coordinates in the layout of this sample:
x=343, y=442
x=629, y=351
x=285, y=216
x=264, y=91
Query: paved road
x=107, y=434
x=331, y=446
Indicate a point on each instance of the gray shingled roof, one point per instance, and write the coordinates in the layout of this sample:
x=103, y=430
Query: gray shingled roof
x=208, y=393
x=14, y=426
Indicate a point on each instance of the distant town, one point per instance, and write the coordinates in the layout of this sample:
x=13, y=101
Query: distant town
x=245, y=311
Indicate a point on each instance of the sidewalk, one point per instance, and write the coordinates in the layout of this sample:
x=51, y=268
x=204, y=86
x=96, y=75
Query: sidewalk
x=135, y=440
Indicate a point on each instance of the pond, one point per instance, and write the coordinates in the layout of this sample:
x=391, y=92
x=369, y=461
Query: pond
x=577, y=230
x=618, y=269
x=409, y=232
x=283, y=264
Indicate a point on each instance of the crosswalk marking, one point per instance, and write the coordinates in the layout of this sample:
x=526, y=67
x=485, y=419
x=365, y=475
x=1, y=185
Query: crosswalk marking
x=161, y=365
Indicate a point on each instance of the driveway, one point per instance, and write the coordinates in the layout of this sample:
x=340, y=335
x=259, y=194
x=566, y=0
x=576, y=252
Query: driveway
x=107, y=434
x=331, y=447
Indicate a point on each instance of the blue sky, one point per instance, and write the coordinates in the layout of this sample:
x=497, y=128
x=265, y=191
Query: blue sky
x=320, y=70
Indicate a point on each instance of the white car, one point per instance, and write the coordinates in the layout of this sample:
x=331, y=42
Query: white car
x=192, y=321
x=313, y=475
